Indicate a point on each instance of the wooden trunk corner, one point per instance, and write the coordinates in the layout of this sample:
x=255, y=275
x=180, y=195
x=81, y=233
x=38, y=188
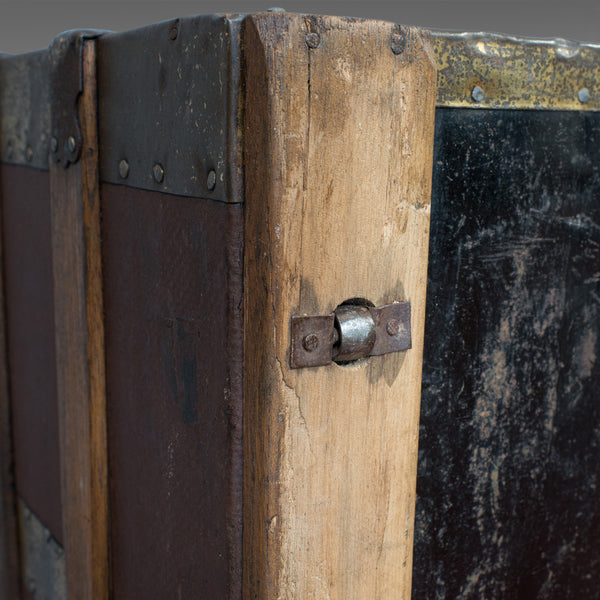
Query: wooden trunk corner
x=338, y=160
x=80, y=358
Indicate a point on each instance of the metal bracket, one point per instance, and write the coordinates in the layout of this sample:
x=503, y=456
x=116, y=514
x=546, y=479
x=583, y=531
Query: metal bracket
x=66, y=85
x=350, y=332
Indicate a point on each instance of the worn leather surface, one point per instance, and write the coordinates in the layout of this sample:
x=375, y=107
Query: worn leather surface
x=172, y=285
x=30, y=330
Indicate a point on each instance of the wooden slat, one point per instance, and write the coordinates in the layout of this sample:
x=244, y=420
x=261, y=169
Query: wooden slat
x=338, y=143
x=80, y=353
x=9, y=556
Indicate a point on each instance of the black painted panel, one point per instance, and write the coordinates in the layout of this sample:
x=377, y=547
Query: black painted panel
x=508, y=490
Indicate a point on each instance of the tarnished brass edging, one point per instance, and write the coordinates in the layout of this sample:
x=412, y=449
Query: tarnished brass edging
x=487, y=70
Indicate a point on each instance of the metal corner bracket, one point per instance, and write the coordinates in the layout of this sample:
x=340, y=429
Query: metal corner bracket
x=66, y=85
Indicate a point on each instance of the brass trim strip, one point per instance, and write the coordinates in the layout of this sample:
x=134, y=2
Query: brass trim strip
x=516, y=73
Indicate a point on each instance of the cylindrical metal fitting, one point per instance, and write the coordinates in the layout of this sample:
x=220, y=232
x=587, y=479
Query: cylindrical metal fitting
x=356, y=332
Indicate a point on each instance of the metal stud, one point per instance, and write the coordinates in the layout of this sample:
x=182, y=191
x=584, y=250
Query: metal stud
x=392, y=327
x=313, y=40
x=158, y=172
x=71, y=144
x=311, y=342
x=398, y=43
x=478, y=94
x=174, y=30
x=124, y=169
x=211, y=180
x=584, y=95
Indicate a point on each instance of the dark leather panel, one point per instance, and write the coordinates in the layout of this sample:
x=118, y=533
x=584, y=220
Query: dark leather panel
x=172, y=269
x=30, y=328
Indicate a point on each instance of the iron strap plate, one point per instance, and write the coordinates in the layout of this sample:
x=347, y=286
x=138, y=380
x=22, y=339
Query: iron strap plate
x=169, y=107
x=66, y=85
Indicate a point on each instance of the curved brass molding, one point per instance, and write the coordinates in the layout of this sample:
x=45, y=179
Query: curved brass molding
x=516, y=73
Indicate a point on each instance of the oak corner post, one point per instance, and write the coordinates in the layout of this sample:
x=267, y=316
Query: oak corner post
x=76, y=247
x=338, y=158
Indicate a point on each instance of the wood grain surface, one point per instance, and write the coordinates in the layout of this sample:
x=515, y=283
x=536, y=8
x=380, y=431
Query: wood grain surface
x=339, y=137
x=80, y=358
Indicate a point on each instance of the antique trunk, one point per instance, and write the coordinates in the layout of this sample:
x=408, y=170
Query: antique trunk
x=299, y=307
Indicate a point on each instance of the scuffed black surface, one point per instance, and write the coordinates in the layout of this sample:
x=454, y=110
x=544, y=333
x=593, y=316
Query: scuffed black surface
x=508, y=500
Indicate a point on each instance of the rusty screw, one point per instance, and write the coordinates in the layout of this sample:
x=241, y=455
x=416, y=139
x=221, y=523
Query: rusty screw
x=392, y=327
x=398, y=43
x=158, y=172
x=310, y=342
x=313, y=40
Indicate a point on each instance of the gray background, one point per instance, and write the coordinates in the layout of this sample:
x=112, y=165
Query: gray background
x=28, y=25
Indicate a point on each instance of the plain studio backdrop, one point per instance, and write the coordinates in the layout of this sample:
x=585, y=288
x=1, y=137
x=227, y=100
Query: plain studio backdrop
x=26, y=25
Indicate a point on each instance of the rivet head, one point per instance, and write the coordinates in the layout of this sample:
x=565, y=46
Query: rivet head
x=29, y=153
x=398, y=43
x=211, y=180
x=313, y=40
x=478, y=94
x=54, y=144
x=123, y=169
x=392, y=327
x=71, y=145
x=310, y=342
x=158, y=172
x=584, y=95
